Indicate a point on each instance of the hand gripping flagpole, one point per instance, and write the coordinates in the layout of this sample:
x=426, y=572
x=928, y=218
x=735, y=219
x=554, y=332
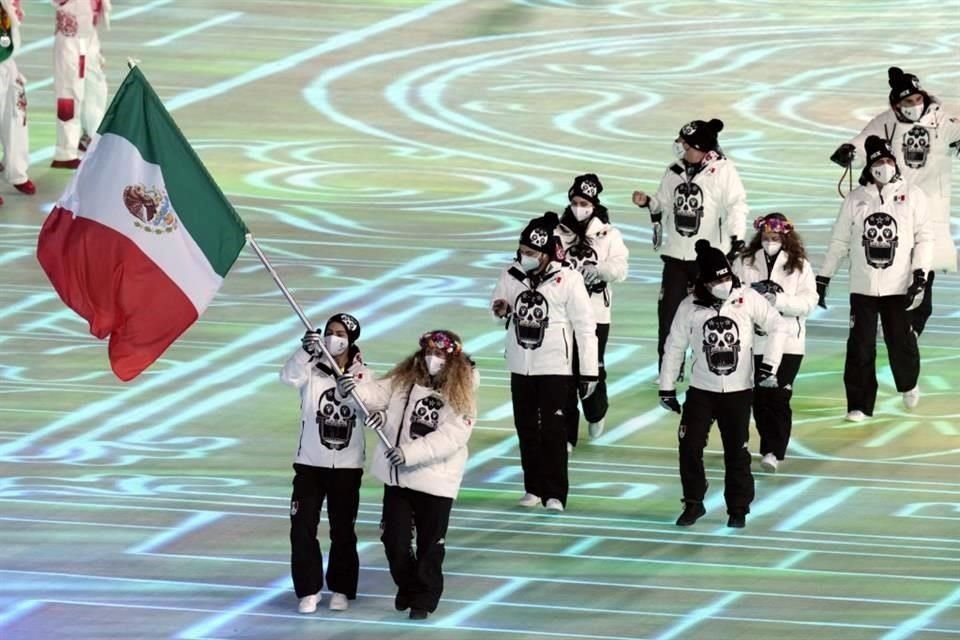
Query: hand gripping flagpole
x=306, y=322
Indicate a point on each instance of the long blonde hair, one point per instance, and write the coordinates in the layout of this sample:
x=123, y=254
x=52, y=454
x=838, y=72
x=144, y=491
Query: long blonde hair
x=455, y=381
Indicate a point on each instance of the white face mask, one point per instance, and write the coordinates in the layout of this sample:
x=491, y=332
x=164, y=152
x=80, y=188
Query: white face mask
x=722, y=290
x=529, y=263
x=435, y=364
x=581, y=213
x=771, y=247
x=678, y=150
x=883, y=173
x=912, y=113
x=335, y=344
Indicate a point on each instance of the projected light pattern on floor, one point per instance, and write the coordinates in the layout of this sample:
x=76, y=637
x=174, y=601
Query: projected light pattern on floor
x=387, y=154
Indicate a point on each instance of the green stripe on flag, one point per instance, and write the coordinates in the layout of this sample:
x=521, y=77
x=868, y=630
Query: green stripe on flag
x=138, y=114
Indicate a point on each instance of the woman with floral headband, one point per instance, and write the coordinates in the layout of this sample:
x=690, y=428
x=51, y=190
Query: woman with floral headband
x=776, y=266
x=429, y=400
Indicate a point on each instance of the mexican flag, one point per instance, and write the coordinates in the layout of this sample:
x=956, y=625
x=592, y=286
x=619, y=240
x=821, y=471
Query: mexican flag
x=142, y=238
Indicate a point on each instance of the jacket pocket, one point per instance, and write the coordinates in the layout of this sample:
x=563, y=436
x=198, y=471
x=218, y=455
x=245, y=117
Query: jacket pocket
x=566, y=345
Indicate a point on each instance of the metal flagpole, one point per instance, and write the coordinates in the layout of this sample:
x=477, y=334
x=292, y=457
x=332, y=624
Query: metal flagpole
x=306, y=322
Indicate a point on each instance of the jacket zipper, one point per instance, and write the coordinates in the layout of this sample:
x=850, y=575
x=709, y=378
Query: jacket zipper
x=396, y=470
x=303, y=425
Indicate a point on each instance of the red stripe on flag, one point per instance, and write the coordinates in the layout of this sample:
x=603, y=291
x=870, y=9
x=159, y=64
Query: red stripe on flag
x=105, y=277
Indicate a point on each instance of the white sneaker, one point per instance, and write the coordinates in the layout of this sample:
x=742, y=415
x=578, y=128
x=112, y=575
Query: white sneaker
x=596, y=428
x=339, y=602
x=769, y=463
x=856, y=416
x=554, y=505
x=308, y=604
x=529, y=500
x=569, y=448
x=912, y=398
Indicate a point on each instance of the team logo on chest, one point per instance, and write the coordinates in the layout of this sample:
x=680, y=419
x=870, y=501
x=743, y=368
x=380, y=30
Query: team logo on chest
x=721, y=345
x=880, y=239
x=687, y=208
x=530, y=319
x=425, y=417
x=916, y=146
x=336, y=420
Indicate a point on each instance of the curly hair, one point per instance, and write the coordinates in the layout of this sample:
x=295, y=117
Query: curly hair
x=792, y=245
x=455, y=381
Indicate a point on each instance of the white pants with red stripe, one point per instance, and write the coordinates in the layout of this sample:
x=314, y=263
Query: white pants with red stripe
x=81, y=89
x=13, y=123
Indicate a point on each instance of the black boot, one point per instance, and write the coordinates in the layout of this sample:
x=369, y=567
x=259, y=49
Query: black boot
x=419, y=614
x=692, y=511
x=737, y=520
x=401, y=602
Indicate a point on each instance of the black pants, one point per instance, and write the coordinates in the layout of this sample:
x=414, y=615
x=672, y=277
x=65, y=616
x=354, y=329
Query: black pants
x=732, y=413
x=417, y=574
x=539, y=415
x=860, y=370
x=771, y=407
x=594, y=407
x=341, y=488
x=678, y=277
x=920, y=315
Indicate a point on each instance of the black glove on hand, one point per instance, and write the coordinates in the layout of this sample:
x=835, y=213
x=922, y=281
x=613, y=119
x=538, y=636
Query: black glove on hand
x=668, y=400
x=822, y=283
x=766, y=377
x=915, y=291
x=844, y=154
x=736, y=246
x=311, y=342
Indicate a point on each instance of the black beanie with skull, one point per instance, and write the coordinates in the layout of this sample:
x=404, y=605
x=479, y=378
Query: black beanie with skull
x=701, y=135
x=903, y=85
x=587, y=187
x=539, y=234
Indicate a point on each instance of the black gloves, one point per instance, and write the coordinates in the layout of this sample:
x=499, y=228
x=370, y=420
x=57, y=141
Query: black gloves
x=844, y=154
x=736, y=247
x=822, y=283
x=668, y=400
x=915, y=291
x=766, y=377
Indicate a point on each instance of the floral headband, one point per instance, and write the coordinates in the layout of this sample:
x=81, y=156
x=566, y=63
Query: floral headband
x=441, y=340
x=773, y=223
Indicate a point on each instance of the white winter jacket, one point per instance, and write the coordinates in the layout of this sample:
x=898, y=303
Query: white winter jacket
x=544, y=318
x=602, y=246
x=711, y=205
x=331, y=435
x=432, y=436
x=924, y=157
x=722, y=340
x=796, y=296
x=886, y=236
